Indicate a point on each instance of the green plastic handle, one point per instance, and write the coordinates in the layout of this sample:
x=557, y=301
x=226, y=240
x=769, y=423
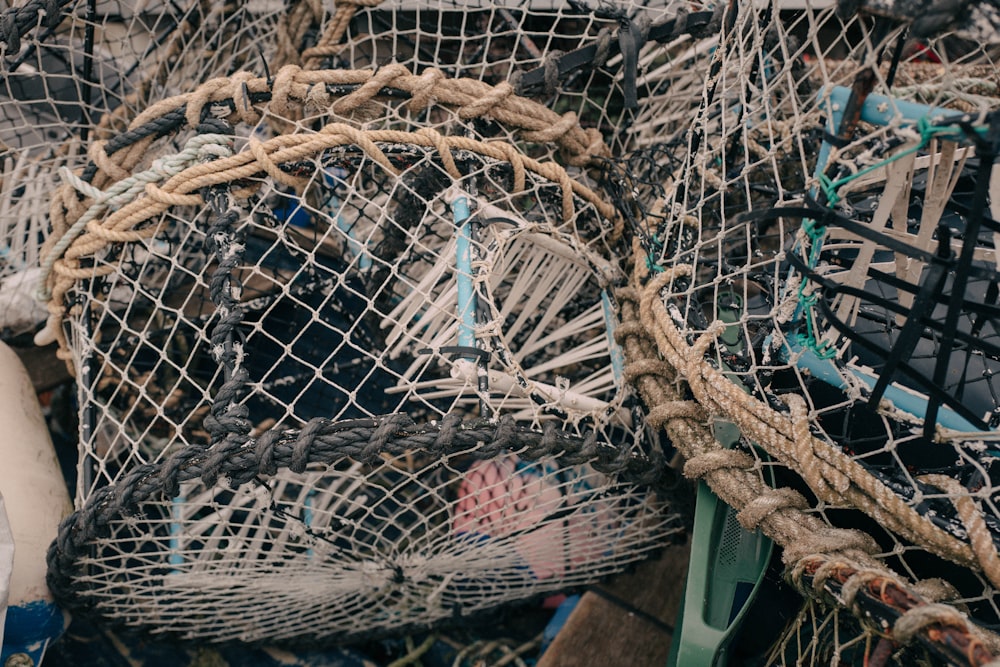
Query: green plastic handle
x=726, y=568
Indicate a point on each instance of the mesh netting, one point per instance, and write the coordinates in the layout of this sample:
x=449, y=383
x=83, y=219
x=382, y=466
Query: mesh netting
x=77, y=73
x=815, y=260
x=247, y=295
x=361, y=303
x=577, y=58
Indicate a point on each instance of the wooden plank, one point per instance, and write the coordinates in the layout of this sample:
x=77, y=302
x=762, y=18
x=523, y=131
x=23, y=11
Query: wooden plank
x=628, y=621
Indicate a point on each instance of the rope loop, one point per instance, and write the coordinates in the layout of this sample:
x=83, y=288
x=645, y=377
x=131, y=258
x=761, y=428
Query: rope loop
x=492, y=97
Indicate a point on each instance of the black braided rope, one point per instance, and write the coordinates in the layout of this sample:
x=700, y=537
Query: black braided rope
x=16, y=22
x=320, y=441
x=229, y=419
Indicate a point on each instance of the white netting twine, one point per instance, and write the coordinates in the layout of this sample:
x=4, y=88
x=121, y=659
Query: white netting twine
x=72, y=75
x=347, y=352
x=346, y=301
x=789, y=272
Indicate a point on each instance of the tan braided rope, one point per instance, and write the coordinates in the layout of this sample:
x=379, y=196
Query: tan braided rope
x=833, y=476
x=778, y=513
x=129, y=223
x=292, y=89
x=470, y=98
x=291, y=31
x=329, y=42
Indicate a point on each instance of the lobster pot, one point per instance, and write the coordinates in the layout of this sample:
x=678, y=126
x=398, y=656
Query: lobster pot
x=577, y=59
x=422, y=322
x=347, y=550
x=824, y=243
x=79, y=74
x=354, y=301
x=354, y=270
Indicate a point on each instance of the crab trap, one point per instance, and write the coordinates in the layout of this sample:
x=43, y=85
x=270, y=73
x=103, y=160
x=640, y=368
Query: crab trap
x=344, y=380
x=75, y=75
x=815, y=264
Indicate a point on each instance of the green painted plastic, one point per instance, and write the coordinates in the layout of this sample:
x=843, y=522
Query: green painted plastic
x=724, y=575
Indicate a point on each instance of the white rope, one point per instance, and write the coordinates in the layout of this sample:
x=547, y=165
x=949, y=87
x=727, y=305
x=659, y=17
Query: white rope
x=197, y=148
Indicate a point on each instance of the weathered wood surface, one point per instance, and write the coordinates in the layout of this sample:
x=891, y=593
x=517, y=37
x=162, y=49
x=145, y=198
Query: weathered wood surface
x=627, y=622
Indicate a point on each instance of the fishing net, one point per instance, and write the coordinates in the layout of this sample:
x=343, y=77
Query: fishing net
x=348, y=303
x=814, y=261
x=362, y=367
x=75, y=72
x=83, y=71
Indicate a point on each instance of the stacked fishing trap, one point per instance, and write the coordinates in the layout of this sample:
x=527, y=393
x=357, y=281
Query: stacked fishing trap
x=385, y=315
x=344, y=341
x=815, y=263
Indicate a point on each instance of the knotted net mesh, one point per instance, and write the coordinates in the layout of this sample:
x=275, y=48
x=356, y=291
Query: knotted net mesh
x=404, y=296
x=325, y=331
x=815, y=261
x=79, y=72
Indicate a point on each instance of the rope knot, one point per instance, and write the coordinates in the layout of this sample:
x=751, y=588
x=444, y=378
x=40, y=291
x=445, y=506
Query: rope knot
x=423, y=94
x=303, y=444
x=318, y=98
x=281, y=89
x=493, y=97
x=264, y=451
x=801, y=552
x=219, y=88
x=445, y=436
x=705, y=464
x=550, y=70
x=915, y=620
x=660, y=414
x=602, y=47
x=381, y=78
x=388, y=426
x=763, y=506
x=504, y=434
x=850, y=589
x=566, y=124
